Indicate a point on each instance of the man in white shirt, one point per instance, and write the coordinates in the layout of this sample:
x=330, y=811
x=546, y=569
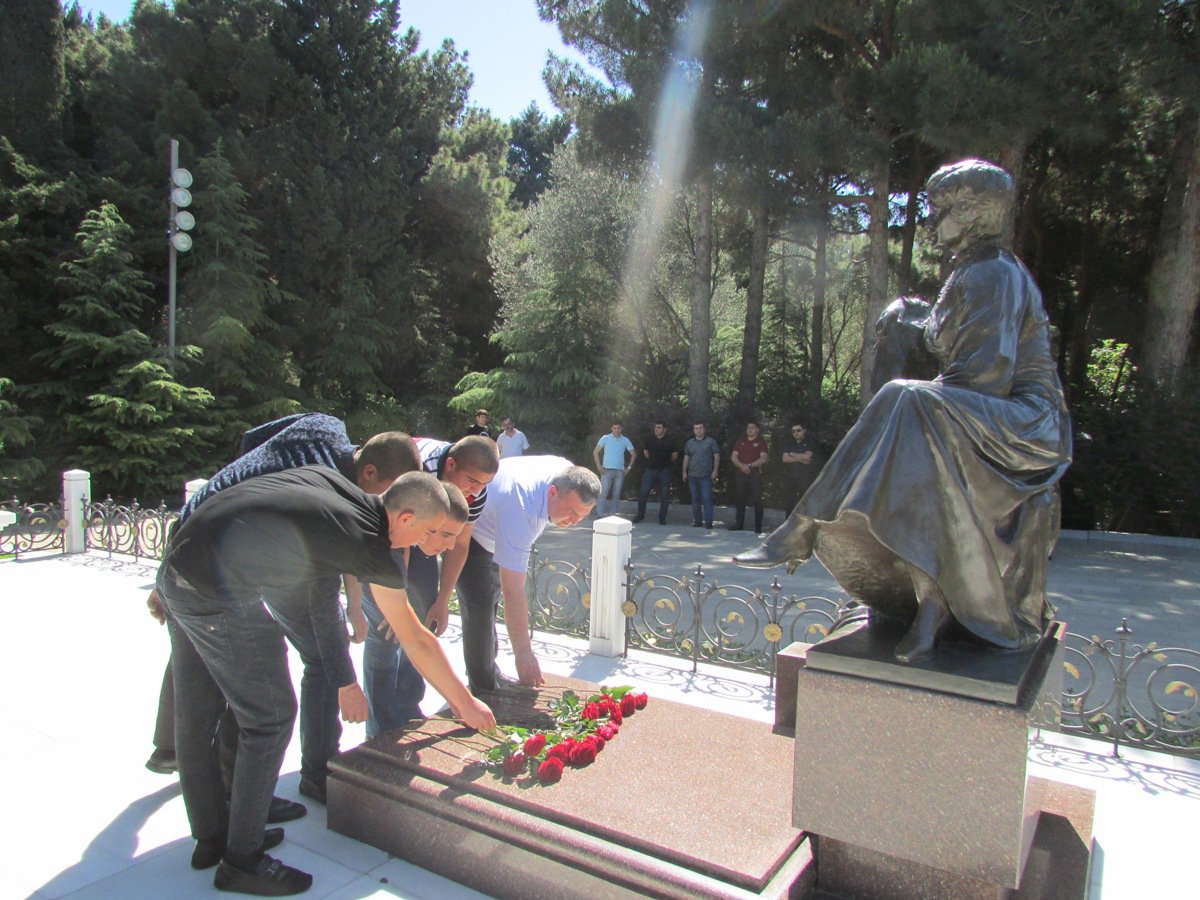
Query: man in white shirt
x=511, y=442
x=528, y=493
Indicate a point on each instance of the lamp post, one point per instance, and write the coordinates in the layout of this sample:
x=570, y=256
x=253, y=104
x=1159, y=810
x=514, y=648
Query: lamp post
x=178, y=240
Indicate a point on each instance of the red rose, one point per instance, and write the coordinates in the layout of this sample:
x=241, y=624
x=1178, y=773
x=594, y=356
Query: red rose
x=582, y=755
x=535, y=744
x=615, y=716
x=590, y=711
x=561, y=752
x=641, y=700
x=550, y=771
x=598, y=742
x=515, y=764
x=608, y=732
x=628, y=705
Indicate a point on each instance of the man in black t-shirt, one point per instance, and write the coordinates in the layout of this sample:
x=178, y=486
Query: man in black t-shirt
x=661, y=453
x=279, y=536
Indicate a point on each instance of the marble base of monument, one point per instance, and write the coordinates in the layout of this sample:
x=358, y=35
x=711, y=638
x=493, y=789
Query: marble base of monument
x=684, y=802
x=889, y=768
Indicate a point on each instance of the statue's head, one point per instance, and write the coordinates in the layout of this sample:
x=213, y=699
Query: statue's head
x=972, y=202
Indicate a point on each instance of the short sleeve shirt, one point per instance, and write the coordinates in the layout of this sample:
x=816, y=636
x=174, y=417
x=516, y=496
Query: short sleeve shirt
x=749, y=451
x=614, y=450
x=516, y=513
x=283, y=531
x=512, y=446
x=700, y=456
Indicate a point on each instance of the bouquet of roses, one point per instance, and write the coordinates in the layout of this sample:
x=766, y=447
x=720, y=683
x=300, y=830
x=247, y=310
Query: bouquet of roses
x=582, y=728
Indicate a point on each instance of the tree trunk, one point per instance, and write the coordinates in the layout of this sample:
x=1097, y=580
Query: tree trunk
x=698, y=355
x=877, y=270
x=820, y=281
x=747, y=395
x=1174, y=288
x=908, y=238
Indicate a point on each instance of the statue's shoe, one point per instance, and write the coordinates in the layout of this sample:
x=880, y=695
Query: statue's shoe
x=790, y=543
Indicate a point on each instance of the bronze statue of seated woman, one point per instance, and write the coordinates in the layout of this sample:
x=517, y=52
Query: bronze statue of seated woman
x=940, y=505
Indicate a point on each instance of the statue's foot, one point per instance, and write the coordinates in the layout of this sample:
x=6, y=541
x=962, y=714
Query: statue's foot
x=933, y=615
x=790, y=543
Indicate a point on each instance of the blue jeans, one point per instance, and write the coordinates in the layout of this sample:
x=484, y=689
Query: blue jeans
x=227, y=650
x=393, y=686
x=320, y=721
x=614, y=479
x=702, y=501
x=651, y=477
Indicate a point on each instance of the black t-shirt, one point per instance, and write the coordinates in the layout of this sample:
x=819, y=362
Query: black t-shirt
x=660, y=450
x=283, y=531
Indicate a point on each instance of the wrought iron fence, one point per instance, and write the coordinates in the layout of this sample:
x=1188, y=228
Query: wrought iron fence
x=1113, y=690
x=133, y=530
x=1132, y=694
x=32, y=527
x=727, y=624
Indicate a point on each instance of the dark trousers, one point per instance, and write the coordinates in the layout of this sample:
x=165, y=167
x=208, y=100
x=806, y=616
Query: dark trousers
x=320, y=722
x=749, y=487
x=650, y=478
x=164, y=728
x=393, y=686
x=478, y=602
x=227, y=651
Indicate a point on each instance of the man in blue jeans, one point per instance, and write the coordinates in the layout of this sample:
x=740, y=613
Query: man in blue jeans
x=701, y=464
x=394, y=688
x=618, y=458
x=661, y=453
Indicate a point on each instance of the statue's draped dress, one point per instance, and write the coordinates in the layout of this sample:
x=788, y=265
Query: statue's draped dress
x=956, y=476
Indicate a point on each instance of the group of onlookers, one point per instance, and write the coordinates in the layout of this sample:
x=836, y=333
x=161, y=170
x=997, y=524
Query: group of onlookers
x=614, y=455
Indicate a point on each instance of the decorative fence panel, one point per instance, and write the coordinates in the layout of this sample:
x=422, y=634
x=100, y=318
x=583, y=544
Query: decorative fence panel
x=1113, y=690
x=133, y=530
x=30, y=528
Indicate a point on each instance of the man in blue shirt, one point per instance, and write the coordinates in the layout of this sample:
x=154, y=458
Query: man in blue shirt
x=701, y=463
x=527, y=493
x=618, y=458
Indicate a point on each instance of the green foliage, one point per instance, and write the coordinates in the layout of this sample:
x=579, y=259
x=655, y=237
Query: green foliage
x=118, y=411
x=18, y=467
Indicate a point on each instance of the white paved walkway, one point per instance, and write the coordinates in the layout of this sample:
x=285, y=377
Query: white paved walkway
x=82, y=661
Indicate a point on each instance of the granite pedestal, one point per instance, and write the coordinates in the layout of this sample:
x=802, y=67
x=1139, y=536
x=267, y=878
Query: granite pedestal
x=919, y=784
x=684, y=802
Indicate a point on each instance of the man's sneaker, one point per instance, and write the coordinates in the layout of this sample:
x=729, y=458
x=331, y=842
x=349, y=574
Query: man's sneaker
x=270, y=878
x=163, y=762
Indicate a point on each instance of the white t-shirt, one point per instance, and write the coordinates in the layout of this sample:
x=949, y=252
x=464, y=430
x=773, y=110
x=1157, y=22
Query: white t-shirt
x=512, y=446
x=516, y=515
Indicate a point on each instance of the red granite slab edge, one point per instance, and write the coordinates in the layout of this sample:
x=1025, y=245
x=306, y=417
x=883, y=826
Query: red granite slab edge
x=697, y=788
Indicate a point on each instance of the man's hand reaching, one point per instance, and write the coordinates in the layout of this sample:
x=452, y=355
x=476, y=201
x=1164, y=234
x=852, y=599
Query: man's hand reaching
x=353, y=703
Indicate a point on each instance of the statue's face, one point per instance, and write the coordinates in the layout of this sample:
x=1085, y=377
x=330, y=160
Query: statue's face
x=949, y=229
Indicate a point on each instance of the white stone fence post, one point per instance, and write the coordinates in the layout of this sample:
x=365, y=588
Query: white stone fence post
x=77, y=493
x=612, y=544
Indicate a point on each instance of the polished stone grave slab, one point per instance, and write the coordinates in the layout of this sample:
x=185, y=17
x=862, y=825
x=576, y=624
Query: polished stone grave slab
x=684, y=802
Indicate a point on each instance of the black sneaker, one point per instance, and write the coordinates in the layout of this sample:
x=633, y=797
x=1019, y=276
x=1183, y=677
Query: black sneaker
x=637, y=519
x=208, y=853
x=270, y=878
x=697, y=524
x=163, y=762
